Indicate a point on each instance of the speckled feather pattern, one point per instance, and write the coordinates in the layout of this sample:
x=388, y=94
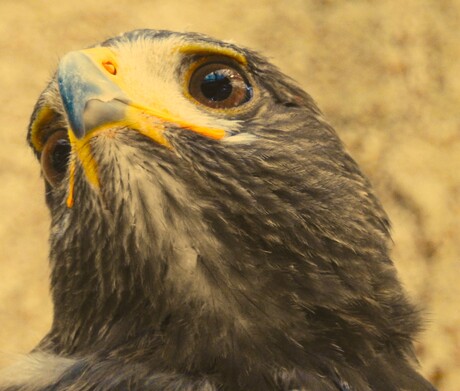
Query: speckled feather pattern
x=255, y=264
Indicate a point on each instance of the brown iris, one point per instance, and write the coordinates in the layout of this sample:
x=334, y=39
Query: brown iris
x=219, y=86
x=55, y=157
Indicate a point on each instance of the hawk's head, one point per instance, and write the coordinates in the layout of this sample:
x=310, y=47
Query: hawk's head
x=206, y=219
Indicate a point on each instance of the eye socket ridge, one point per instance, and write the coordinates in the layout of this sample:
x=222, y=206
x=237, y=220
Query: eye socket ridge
x=220, y=85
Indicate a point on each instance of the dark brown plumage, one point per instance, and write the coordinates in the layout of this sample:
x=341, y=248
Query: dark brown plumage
x=209, y=232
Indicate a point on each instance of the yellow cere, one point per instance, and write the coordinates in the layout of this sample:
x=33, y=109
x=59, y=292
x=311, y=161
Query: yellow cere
x=155, y=116
x=103, y=56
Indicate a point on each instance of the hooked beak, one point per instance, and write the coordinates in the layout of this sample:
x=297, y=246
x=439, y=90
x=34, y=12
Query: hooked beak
x=90, y=98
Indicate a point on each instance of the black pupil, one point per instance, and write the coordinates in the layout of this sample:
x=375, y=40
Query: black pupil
x=216, y=86
x=60, y=155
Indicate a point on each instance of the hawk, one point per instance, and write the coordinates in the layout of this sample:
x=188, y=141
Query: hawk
x=208, y=231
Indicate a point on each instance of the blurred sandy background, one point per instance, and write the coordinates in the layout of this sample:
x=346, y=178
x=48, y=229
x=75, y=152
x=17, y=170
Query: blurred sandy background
x=386, y=74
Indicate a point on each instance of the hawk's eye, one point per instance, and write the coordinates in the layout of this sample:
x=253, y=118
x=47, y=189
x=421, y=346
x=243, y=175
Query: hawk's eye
x=55, y=157
x=219, y=86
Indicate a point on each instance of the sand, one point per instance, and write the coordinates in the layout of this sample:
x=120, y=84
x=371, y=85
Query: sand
x=385, y=73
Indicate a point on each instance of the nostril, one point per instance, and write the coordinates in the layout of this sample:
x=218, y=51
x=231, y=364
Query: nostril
x=110, y=67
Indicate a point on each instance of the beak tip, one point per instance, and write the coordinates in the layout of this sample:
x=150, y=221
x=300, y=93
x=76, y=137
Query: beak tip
x=71, y=85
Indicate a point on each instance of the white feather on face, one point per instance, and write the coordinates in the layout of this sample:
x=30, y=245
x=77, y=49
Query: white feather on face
x=35, y=371
x=145, y=68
